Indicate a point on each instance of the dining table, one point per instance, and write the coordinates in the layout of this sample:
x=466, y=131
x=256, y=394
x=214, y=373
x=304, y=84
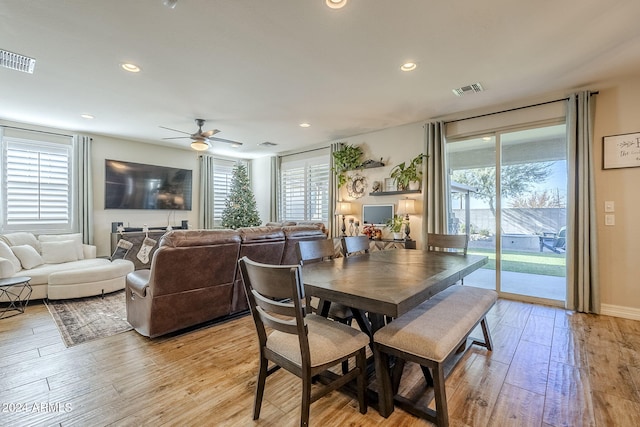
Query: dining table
x=383, y=285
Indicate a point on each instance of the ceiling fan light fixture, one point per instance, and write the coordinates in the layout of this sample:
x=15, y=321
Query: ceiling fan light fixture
x=132, y=68
x=199, y=145
x=408, y=66
x=336, y=4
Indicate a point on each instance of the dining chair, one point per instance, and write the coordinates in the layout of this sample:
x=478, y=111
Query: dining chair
x=453, y=243
x=303, y=344
x=352, y=245
x=310, y=251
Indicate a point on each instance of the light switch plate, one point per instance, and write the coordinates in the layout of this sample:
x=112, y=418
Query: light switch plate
x=610, y=219
x=609, y=206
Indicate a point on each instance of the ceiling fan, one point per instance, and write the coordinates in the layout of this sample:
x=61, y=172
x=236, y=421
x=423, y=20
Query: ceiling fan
x=202, y=140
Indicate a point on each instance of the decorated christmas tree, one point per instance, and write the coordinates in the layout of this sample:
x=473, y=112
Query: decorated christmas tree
x=240, y=207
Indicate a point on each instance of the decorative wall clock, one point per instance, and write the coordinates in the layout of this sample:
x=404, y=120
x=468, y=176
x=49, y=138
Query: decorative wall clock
x=356, y=186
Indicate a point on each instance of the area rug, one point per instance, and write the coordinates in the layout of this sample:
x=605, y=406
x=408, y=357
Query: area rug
x=85, y=319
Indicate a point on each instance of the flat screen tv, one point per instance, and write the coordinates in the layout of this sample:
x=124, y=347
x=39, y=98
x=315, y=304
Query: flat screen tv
x=376, y=214
x=139, y=186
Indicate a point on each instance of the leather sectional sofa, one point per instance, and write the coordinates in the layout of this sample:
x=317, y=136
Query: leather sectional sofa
x=194, y=275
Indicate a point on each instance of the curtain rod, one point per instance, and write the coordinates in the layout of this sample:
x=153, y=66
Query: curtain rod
x=513, y=109
x=39, y=131
x=302, y=152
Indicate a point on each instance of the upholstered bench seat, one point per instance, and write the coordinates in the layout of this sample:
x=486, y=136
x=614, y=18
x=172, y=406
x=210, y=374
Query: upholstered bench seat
x=429, y=335
x=434, y=329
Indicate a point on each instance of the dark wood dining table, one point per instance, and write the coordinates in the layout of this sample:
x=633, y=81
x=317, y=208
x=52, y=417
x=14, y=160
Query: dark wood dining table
x=385, y=283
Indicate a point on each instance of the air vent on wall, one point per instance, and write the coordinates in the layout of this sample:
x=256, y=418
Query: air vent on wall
x=472, y=88
x=13, y=61
x=267, y=144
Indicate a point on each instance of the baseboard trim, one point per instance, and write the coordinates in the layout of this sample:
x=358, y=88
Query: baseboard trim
x=620, y=311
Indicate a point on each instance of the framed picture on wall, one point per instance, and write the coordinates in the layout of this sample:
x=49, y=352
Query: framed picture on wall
x=389, y=185
x=621, y=151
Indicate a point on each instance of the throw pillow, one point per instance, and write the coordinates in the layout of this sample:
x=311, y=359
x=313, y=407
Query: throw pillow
x=28, y=256
x=22, y=238
x=7, y=269
x=75, y=237
x=6, y=252
x=58, y=252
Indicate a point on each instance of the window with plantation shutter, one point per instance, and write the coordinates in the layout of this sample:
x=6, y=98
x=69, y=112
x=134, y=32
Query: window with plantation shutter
x=37, y=190
x=304, y=188
x=222, y=176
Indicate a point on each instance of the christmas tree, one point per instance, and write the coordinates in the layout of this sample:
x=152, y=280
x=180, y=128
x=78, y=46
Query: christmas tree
x=240, y=207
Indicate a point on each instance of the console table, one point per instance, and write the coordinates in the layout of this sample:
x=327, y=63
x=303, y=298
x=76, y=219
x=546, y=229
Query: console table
x=17, y=291
x=137, y=237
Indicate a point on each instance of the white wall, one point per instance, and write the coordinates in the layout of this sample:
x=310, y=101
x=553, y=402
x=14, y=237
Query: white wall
x=137, y=152
x=617, y=111
x=393, y=145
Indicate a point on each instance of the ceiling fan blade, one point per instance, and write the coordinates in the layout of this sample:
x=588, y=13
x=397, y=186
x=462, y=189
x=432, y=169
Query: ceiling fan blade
x=210, y=133
x=175, y=130
x=178, y=137
x=228, y=141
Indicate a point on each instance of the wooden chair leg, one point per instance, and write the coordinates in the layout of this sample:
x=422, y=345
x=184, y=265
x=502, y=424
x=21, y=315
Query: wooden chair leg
x=427, y=375
x=439, y=391
x=361, y=364
x=385, y=393
x=306, y=401
x=262, y=378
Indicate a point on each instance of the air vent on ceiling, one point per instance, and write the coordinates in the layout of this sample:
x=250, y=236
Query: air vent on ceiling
x=472, y=88
x=13, y=61
x=267, y=144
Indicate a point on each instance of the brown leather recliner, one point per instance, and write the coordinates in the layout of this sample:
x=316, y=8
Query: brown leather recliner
x=190, y=281
x=259, y=244
x=293, y=234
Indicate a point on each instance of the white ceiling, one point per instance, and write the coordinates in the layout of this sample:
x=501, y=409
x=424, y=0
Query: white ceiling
x=255, y=69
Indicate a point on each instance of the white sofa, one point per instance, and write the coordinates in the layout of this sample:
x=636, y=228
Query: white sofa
x=60, y=266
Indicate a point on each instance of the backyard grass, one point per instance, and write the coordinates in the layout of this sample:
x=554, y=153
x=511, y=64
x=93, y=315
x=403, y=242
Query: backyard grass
x=543, y=263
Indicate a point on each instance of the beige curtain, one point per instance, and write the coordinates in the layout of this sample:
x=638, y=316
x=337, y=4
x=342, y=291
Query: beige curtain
x=275, y=189
x=583, y=290
x=205, y=215
x=436, y=200
x=334, y=192
x=84, y=187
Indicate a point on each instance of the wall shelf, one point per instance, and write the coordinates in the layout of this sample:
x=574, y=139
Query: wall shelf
x=393, y=193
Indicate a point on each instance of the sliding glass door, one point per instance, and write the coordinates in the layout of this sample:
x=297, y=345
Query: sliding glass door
x=508, y=192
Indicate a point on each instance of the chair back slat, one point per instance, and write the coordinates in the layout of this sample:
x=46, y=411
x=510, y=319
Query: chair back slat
x=354, y=245
x=448, y=242
x=315, y=250
x=282, y=325
x=276, y=297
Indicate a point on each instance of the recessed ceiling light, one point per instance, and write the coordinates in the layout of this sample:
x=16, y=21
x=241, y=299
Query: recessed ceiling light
x=408, y=66
x=336, y=4
x=87, y=116
x=486, y=138
x=305, y=125
x=132, y=68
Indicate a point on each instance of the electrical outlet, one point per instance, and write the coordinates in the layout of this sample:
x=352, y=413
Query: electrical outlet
x=609, y=206
x=609, y=219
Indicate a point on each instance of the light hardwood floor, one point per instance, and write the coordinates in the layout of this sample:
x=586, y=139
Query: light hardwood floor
x=549, y=367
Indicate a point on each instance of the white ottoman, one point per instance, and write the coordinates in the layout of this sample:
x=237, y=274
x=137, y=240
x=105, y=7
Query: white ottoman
x=93, y=280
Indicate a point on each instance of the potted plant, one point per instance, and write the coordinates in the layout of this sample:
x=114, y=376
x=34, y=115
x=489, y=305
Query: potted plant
x=395, y=225
x=347, y=158
x=408, y=176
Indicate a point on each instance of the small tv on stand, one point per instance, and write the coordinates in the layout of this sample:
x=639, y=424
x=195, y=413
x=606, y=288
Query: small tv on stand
x=377, y=214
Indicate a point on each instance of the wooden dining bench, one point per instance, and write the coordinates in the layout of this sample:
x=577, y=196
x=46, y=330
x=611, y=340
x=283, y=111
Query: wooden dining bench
x=429, y=335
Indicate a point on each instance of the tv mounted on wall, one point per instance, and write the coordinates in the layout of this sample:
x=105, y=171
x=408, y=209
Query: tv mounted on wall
x=139, y=186
x=376, y=214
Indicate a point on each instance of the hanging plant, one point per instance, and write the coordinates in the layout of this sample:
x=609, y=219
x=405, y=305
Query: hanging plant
x=348, y=157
